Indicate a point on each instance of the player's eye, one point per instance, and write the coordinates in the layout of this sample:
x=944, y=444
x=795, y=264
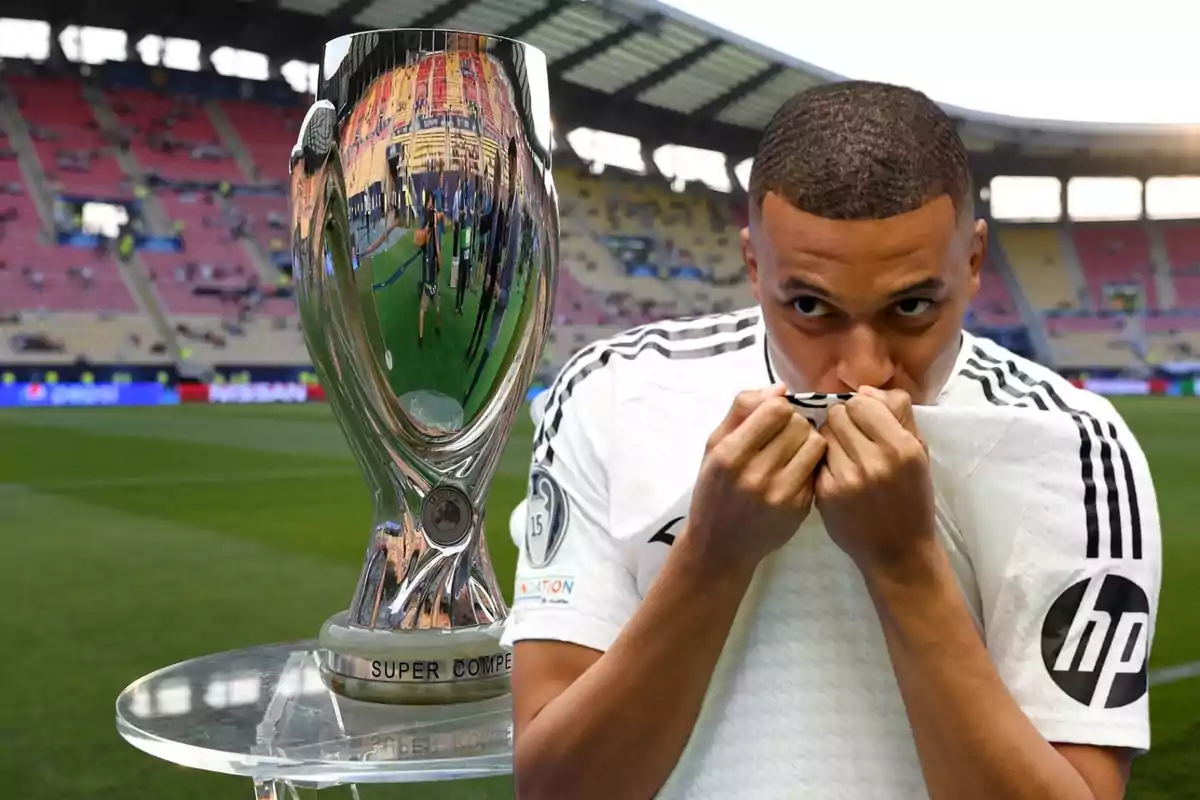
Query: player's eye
x=809, y=306
x=913, y=306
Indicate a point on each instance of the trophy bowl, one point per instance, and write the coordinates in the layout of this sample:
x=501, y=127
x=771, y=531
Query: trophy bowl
x=425, y=243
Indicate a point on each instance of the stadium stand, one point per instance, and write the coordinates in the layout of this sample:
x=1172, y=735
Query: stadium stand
x=264, y=220
x=632, y=250
x=1036, y=256
x=74, y=153
x=266, y=132
x=171, y=135
x=1115, y=256
x=19, y=230
x=38, y=276
x=249, y=340
x=648, y=251
x=74, y=282
x=1182, y=241
x=994, y=306
x=93, y=337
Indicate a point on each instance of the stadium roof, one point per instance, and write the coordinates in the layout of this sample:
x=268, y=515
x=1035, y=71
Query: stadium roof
x=629, y=66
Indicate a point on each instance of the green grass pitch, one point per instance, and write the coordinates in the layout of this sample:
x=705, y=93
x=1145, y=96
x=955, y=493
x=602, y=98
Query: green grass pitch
x=135, y=538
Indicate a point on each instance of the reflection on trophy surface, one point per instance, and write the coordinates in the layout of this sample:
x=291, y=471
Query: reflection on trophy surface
x=425, y=235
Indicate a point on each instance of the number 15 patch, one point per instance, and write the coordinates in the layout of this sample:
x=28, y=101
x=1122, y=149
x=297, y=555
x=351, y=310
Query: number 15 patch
x=547, y=520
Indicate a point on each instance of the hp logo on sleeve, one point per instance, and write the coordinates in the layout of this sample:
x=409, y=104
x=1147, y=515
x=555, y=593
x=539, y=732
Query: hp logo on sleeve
x=1095, y=641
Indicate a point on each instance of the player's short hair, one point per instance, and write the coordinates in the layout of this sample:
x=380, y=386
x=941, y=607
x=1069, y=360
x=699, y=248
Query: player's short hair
x=858, y=150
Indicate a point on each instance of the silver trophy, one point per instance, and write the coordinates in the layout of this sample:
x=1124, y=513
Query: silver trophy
x=425, y=240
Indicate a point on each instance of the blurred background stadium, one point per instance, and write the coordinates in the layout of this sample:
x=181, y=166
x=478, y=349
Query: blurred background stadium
x=145, y=268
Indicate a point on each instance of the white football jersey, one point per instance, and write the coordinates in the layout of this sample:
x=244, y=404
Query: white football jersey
x=1044, y=504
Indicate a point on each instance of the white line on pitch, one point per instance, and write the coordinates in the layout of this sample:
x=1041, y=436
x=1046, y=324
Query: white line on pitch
x=1179, y=672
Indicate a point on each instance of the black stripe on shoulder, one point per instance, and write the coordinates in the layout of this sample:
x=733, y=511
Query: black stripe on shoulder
x=673, y=330
x=997, y=377
x=670, y=331
x=677, y=330
x=728, y=337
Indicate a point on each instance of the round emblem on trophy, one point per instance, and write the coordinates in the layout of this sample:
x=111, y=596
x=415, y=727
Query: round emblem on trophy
x=446, y=516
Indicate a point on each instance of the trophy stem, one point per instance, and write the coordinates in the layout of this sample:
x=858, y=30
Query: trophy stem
x=419, y=667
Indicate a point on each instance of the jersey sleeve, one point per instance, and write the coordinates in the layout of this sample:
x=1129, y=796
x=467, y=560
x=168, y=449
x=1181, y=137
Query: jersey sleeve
x=1067, y=556
x=572, y=583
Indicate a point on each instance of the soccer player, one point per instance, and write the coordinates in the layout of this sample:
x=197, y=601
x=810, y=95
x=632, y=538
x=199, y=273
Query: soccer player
x=498, y=243
x=456, y=219
x=431, y=260
x=400, y=181
x=501, y=288
x=746, y=606
x=497, y=225
x=462, y=259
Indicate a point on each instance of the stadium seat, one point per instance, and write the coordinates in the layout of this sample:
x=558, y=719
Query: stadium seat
x=100, y=338
x=263, y=339
x=172, y=136
x=267, y=132
x=1115, y=255
x=994, y=304
x=1036, y=257
x=212, y=260
x=74, y=154
x=266, y=217
x=1182, y=242
x=623, y=238
x=1091, y=350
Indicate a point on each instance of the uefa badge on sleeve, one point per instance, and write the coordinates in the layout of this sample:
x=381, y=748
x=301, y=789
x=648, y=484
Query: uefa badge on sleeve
x=547, y=518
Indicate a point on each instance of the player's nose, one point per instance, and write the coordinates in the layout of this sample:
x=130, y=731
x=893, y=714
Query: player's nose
x=864, y=360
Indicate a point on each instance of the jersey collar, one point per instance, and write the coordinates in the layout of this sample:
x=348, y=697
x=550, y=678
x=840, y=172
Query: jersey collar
x=960, y=363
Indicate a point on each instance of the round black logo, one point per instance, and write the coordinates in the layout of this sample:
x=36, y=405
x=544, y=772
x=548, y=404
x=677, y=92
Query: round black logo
x=1095, y=641
x=446, y=516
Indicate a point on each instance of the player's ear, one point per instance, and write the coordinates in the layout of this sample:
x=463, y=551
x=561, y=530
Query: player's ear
x=749, y=259
x=979, y=243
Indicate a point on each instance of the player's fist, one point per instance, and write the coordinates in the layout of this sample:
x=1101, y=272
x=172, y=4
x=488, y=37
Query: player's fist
x=756, y=481
x=875, y=491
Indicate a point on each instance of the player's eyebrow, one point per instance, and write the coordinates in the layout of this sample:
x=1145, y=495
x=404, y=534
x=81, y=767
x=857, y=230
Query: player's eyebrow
x=926, y=286
x=795, y=285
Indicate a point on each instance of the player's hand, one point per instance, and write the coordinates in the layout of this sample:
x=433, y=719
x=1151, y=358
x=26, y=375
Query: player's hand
x=874, y=491
x=755, y=485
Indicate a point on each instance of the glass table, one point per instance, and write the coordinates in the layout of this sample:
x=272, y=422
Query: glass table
x=264, y=713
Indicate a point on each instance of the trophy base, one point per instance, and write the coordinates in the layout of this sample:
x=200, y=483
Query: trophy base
x=415, y=667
